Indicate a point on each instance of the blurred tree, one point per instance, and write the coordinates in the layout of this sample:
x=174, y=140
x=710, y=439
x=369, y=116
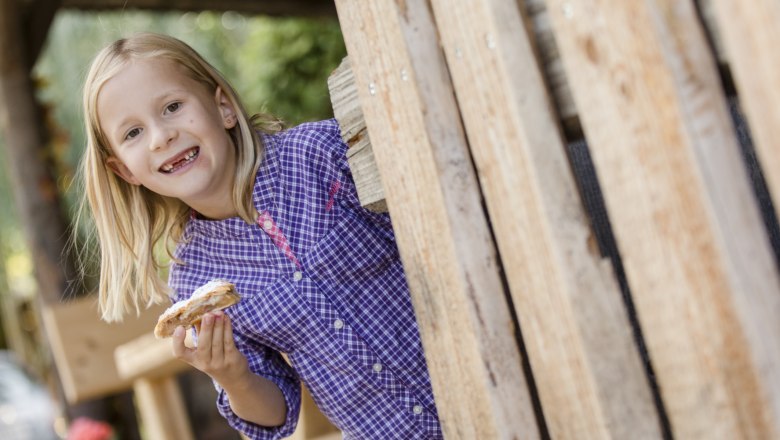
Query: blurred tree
x=284, y=65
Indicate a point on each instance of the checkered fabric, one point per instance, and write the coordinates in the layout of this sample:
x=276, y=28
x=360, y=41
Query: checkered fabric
x=321, y=280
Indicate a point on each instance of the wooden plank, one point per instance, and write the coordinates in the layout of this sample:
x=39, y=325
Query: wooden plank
x=24, y=133
x=83, y=346
x=346, y=109
x=580, y=344
x=160, y=406
x=692, y=243
x=441, y=229
x=148, y=357
x=751, y=33
x=344, y=98
x=550, y=59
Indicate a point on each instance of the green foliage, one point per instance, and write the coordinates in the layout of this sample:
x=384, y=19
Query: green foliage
x=284, y=65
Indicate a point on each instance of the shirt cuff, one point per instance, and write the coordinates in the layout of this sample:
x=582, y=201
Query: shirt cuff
x=291, y=389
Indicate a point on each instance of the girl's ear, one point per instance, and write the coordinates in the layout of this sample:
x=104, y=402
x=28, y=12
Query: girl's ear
x=121, y=170
x=226, y=109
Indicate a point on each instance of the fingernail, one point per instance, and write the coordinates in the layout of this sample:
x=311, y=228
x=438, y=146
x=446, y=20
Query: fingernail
x=178, y=331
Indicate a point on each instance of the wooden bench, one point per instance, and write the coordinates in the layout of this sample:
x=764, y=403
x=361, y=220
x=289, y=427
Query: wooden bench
x=96, y=359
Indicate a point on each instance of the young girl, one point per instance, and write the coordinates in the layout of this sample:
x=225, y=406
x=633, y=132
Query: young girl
x=173, y=160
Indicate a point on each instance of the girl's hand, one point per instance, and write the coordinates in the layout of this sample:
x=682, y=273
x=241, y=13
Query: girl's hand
x=251, y=397
x=216, y=353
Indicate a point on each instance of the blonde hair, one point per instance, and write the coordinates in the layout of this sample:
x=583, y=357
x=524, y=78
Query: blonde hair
x=130, y=221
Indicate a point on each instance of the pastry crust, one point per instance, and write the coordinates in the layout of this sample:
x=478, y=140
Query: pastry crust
x=212, y=296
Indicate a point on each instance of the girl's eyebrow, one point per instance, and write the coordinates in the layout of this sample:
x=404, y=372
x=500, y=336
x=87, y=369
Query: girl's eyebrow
x=164, y=95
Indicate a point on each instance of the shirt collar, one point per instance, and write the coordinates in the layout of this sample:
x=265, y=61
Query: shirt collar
x=262, y=197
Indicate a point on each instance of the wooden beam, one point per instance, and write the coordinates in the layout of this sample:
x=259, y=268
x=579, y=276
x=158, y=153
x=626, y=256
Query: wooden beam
x=537, y=14
x=539, y=30
x=37, y=16
x=148, y=357
x=586, y=365
x=695, y=251
x=346, y=109
x=750, y=35
x=83, y=347
x=35, y=190
x=441, y=229
x=305, y=8
x=161, y=409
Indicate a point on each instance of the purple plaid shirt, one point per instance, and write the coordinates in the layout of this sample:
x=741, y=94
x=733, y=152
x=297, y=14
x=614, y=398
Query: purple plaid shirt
x=321, y=280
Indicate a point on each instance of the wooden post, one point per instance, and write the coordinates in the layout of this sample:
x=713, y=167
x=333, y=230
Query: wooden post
x=581, y=347
x=149, y=363
x=83, y=347
x=692, y=243
x=346, y=109
x=750, y=33
x=35, y=191
x=161, y=407
x=442, y=231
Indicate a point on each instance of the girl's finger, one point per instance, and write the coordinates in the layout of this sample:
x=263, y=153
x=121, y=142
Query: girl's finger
x=217, y=338
x=181, y=351
x=205, y=336
x=228, y=334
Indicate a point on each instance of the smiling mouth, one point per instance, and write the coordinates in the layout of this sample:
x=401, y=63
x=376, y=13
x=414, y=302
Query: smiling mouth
x=181, y=161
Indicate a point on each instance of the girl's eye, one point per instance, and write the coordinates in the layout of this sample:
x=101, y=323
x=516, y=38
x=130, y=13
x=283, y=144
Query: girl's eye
x=132, y=133
x=172, y=107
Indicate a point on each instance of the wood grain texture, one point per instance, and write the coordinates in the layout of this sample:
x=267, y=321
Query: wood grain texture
x=750, y=36
x=536, y=12
x=442, y=232
x=586, y=366
x=83, y=346
x=695, y=251
x=148, y=357
x=346, y=109
x=161, y=408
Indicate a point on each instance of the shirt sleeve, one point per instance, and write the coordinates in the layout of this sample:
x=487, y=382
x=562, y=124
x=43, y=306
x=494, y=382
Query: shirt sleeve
x=335, y=168
x=269, y=364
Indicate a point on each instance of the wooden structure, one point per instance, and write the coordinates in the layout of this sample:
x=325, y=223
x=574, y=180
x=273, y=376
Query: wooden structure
x=469, y=108
x=95, y=359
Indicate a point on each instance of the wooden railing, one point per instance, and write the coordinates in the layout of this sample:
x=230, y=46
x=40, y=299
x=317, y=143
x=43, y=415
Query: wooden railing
x=96, y=359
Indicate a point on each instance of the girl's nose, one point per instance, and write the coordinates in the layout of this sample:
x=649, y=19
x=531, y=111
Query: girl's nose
x=163, y=135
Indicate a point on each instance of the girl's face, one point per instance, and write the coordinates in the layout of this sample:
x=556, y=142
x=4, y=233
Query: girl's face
x=168, y=133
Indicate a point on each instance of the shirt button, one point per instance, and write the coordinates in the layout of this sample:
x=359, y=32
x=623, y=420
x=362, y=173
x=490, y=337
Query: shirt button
x=267, y=225
x=417, y=409
x=297, y=275
x=377, y=367
x=338, y=324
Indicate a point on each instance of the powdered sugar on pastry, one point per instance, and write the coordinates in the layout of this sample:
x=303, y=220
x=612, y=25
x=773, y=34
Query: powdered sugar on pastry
x=212, y=296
